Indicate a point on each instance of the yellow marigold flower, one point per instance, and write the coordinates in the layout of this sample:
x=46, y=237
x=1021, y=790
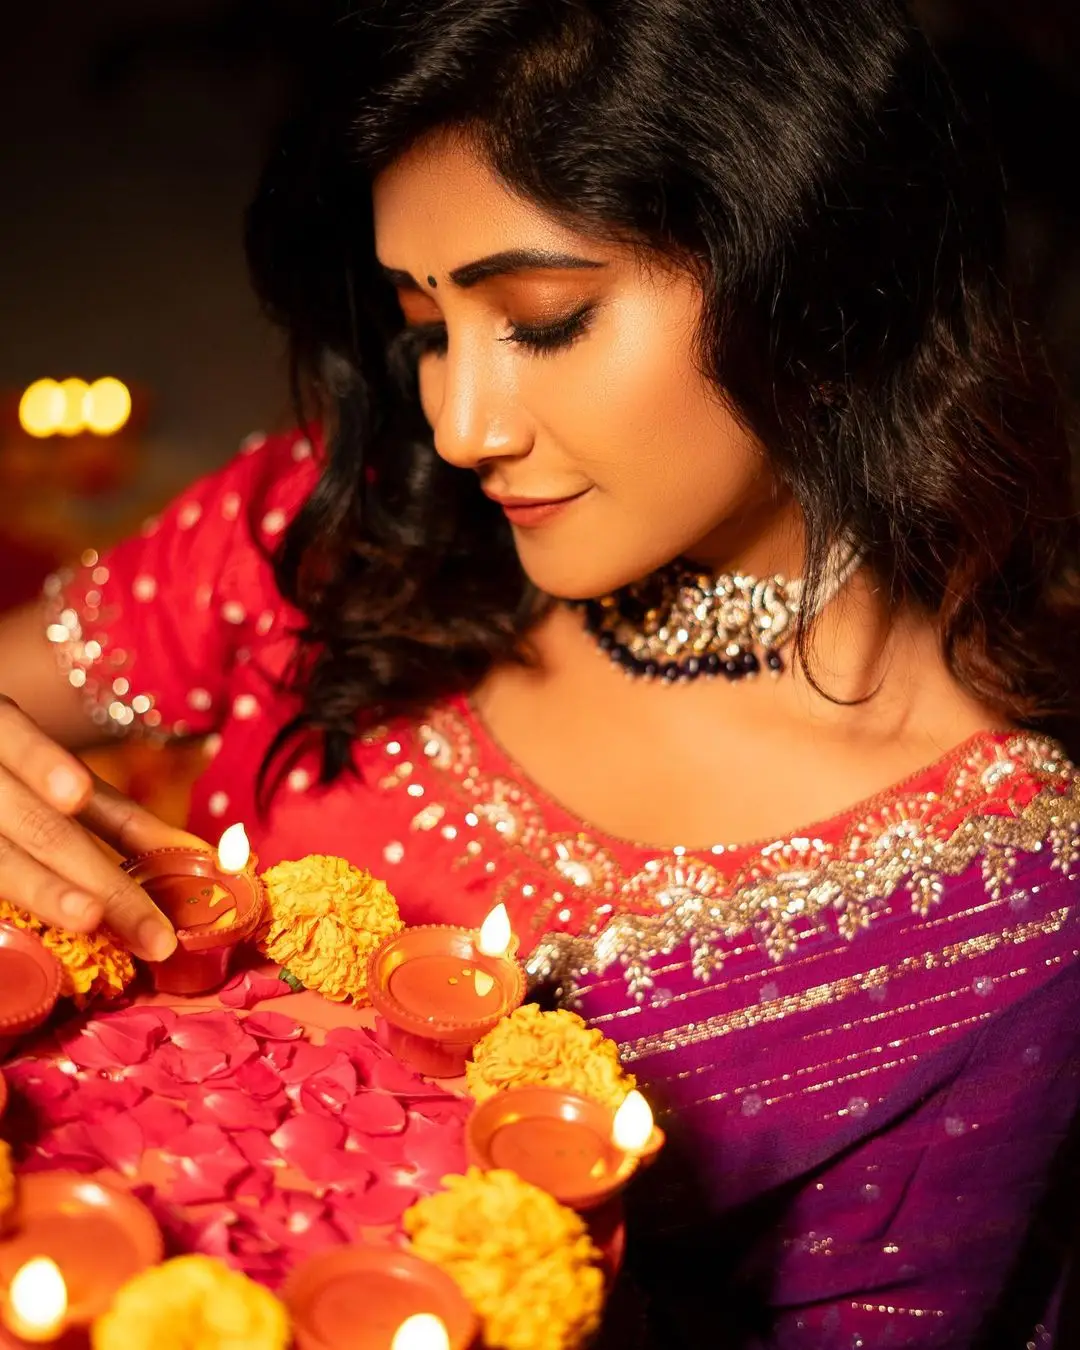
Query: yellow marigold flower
x=94, y=965
x=7, y=1182
x=551, y=1049
x=192, y=1303
x=326, y=918
x=524, y=1262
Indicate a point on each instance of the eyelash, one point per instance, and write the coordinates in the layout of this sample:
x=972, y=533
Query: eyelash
x=541, y=339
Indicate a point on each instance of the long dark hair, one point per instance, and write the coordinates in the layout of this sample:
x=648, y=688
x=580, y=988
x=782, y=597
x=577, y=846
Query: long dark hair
x=809, y=161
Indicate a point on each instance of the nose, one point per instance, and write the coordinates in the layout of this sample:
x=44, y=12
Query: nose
x=477, y=415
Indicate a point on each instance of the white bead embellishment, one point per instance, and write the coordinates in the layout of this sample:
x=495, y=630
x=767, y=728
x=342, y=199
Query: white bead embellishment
x=144, y=587
x=273, y=522
x=189, y=515
x=232, y=611
x=230, y=505
x=245, y=706
x=218, y=804
x=199, y=699
x=299, y=780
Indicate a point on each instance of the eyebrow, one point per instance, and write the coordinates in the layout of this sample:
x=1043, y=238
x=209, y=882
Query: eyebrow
x=508, y=263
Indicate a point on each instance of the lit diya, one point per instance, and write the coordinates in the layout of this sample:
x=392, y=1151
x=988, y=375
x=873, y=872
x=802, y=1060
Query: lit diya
x=214, y=901
x=72, y=1243
x=439, y=989
x=29, y=984
x=578, y=1150
x=376, y=1298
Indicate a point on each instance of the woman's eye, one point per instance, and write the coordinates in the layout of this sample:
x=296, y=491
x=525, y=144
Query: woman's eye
x=553, y=336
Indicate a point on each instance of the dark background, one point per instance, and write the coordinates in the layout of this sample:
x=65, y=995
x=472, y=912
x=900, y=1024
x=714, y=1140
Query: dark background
x=132, y=134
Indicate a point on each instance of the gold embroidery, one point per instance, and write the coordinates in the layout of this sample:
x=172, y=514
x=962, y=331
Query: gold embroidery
x=774, y=1010
x=1000, y=798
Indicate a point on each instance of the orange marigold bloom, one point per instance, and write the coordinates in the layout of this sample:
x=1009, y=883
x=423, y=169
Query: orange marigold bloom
x=326, y=918
x=94, y=965
x=524, y=1262
x=192, y=1303
x=531, y=1048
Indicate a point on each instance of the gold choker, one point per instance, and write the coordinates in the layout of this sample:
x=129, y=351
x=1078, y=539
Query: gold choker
x=680, y=623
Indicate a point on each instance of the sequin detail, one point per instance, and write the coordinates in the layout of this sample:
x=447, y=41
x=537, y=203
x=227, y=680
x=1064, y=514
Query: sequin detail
x=1001, y=797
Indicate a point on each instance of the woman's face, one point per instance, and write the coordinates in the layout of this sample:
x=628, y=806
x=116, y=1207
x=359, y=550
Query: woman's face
x=562, y=372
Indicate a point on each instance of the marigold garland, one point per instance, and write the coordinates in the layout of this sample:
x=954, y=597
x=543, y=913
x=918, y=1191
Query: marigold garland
x=192, y=1303
x=326, y=918
x=552, y=1049
x=524, y=1262
x=94, y=965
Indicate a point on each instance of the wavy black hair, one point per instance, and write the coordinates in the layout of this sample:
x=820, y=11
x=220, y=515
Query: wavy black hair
x=809, y=161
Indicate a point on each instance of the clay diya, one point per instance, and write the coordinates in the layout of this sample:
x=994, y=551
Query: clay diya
x=72, y=1242
x=438, y=989
x=29, y=984
x=214, y=901
x=376, y=1298
x=580, y=1151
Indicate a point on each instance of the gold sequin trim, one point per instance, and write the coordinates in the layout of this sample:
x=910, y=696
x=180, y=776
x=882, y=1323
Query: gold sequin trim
x=596, y=914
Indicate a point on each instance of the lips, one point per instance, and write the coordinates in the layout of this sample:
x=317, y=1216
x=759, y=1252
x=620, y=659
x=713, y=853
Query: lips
x=532, y=511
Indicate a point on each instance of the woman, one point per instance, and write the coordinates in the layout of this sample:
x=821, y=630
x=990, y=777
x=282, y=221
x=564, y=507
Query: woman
x=601, y=311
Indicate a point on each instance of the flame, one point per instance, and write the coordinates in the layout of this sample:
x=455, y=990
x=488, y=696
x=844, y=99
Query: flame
x=422, y=1331
x=233, y=850
x=633, y=1124
x=37, y=1301
x=496, y=934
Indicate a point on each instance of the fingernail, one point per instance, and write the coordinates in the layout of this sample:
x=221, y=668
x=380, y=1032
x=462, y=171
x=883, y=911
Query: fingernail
x=81, y=909
x=156, y=939
x=64, y=786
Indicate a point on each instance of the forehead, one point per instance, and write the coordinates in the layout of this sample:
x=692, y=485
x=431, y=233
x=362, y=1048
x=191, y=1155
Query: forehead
x=440, y=205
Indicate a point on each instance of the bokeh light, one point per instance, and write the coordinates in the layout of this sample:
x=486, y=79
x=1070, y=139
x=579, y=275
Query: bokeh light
x=49, y=408
x=41, y=408
x=106, y=406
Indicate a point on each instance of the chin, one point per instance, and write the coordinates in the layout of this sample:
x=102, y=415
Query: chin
x=572, y=575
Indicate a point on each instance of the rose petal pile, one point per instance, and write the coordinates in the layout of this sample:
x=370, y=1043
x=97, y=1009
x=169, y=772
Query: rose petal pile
x=532, y=1048
x=524, y=1262
x=94, y=965
x=326, y=918
x=263, y=1146
x=192, y=1303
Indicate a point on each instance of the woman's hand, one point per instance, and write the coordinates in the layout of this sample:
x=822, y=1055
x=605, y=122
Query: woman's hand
x=48, y=862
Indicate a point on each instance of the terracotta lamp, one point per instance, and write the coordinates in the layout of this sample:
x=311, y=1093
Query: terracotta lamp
x=215, y=901
x=376, y=1298
x=439, y=989
x=71, y=1244
x=580, y=1151
x=29, y=984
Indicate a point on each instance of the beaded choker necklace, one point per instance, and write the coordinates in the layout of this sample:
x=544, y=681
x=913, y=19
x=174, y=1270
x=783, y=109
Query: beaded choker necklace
x=680, y=623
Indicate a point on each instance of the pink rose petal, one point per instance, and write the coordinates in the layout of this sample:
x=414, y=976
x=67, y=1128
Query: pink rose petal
x=71, y=1147
x=121, y=1143
x=387, y=1148
x=391, y=1076
x=281, y=1054
x=256, y=1147
x=444, y=1110
x=307, y=1060
x=160, y=1121
x=207, y=1178
x=272, y=1026
x=99, y=1098
x=258, y=1185
x=41, y=1083
x=304, y=1139
x=82, y=1045
x=384, y=1202
x=433, y=1151
x=252, y=987
x=128, y=1037
x=237, y=1111
x=342, y=1167
x=220, y=1032
x=356, y=1043
x=258, y=1078
x=375, y=1113
x=331, y=1089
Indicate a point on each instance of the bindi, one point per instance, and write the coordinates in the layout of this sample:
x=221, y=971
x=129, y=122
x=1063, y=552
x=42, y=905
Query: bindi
x=432, y=283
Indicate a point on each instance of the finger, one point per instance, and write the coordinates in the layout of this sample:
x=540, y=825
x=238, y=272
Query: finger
x=32, y=886
x=45, y=767
x=128, y=827
x=58, y=843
